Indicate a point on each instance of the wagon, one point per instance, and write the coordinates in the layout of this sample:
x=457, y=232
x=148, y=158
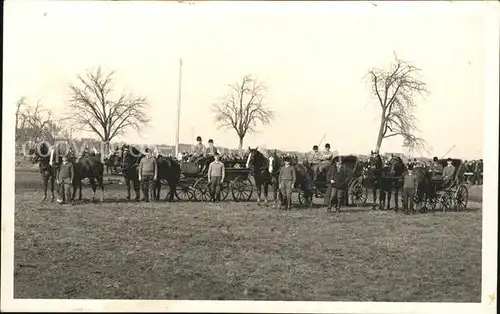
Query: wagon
x=453, y=195
x=194, y=184
x=356, y=189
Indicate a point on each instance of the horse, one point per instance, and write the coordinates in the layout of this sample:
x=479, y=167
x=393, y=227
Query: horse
x=374, y=175
x=90, y=167
x=394, y=183
x=259, y=166
x=424, y=187
x=304, y=180
x=47, y=172
x=169, y=169
x=130, y=159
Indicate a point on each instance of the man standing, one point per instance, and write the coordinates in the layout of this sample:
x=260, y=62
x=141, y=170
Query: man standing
x=216, y=174
x=65, y=179
x=339, y=185
x=287, y=178
x=410, y=188
x=148, y=174
x=326, y=158
x=448, y=172
x=314, y=159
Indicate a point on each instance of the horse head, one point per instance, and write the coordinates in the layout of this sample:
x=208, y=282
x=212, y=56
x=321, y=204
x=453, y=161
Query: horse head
x=255, y=158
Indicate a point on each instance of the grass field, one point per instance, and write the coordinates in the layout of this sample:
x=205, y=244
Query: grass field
x=240, y=251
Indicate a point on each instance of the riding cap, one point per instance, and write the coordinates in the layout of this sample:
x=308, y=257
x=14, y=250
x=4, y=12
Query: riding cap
x=449, y=159
x=327, y=145
x=198, y=139
x=315, y=147
x=435, y=159
x=211, y=141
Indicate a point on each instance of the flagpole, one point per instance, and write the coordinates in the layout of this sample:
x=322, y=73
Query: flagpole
x=178, y=110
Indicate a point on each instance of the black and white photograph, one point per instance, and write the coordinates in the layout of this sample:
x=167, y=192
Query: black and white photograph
x=200, y=156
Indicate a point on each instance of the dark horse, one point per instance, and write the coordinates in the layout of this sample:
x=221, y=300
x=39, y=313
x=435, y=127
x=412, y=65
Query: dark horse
x=90, y=167
x=374, y=173
x=130, y=159
x=259, y=166
x=41, y=154
x=395, y=181
x=169, y=169
x=304, y=179
x=424, y=187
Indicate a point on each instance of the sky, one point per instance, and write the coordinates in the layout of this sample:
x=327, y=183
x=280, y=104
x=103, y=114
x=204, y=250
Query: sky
x=313, y=58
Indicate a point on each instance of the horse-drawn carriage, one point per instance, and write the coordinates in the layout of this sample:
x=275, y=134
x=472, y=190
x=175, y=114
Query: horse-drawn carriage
x=447, y=195
x=194, y=183
x=356, y=189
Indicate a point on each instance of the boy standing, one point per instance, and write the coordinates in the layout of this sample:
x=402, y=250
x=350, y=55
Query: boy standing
x=148, y=174
x=409, y=189
x=216, y=174
x=65, y=179
x=287, y=178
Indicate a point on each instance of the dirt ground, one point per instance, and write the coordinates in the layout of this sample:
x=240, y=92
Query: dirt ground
x=240, y=251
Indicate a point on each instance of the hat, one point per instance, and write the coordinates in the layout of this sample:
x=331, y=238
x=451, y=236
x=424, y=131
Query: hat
x=327, y=145
x=146, y=150
x=449, y=159
x=435, y=159
x=198, y=138
x=315, y=147
x=210, y=140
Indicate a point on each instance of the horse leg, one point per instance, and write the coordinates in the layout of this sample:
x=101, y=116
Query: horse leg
x=259, y=190
x=389, y=197
x=79, y=191
x=137, y=188
x=94, y=188
x=374, y=191
x=396, y=199
x=171, y=193
x=266, y=191
x=45, y=186
x=381, y=198
x=127, y=183
x=157, y=190
x=52, y=183
x=100, y=180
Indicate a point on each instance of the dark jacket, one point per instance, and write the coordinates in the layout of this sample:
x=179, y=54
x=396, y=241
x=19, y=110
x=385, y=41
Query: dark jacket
x=341, y=178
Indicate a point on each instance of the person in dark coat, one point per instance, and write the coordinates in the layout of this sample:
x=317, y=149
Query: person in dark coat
x=410, y=187
x=65, y=178
x=338, y=183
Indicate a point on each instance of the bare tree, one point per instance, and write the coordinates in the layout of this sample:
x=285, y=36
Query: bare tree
x=93, y=109
x=396, y=90
x=35, y=123
x=243, y=109
x=20, y=121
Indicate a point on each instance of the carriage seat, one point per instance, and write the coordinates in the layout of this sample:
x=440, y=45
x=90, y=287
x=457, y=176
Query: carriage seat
x=189, y=168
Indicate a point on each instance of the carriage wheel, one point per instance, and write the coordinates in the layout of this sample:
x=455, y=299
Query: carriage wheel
x=359, y=195
x=461, y=198
x=224, y=191
x=445, y=202
x=242, y=189
x=201, y=191
x=184, y=192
